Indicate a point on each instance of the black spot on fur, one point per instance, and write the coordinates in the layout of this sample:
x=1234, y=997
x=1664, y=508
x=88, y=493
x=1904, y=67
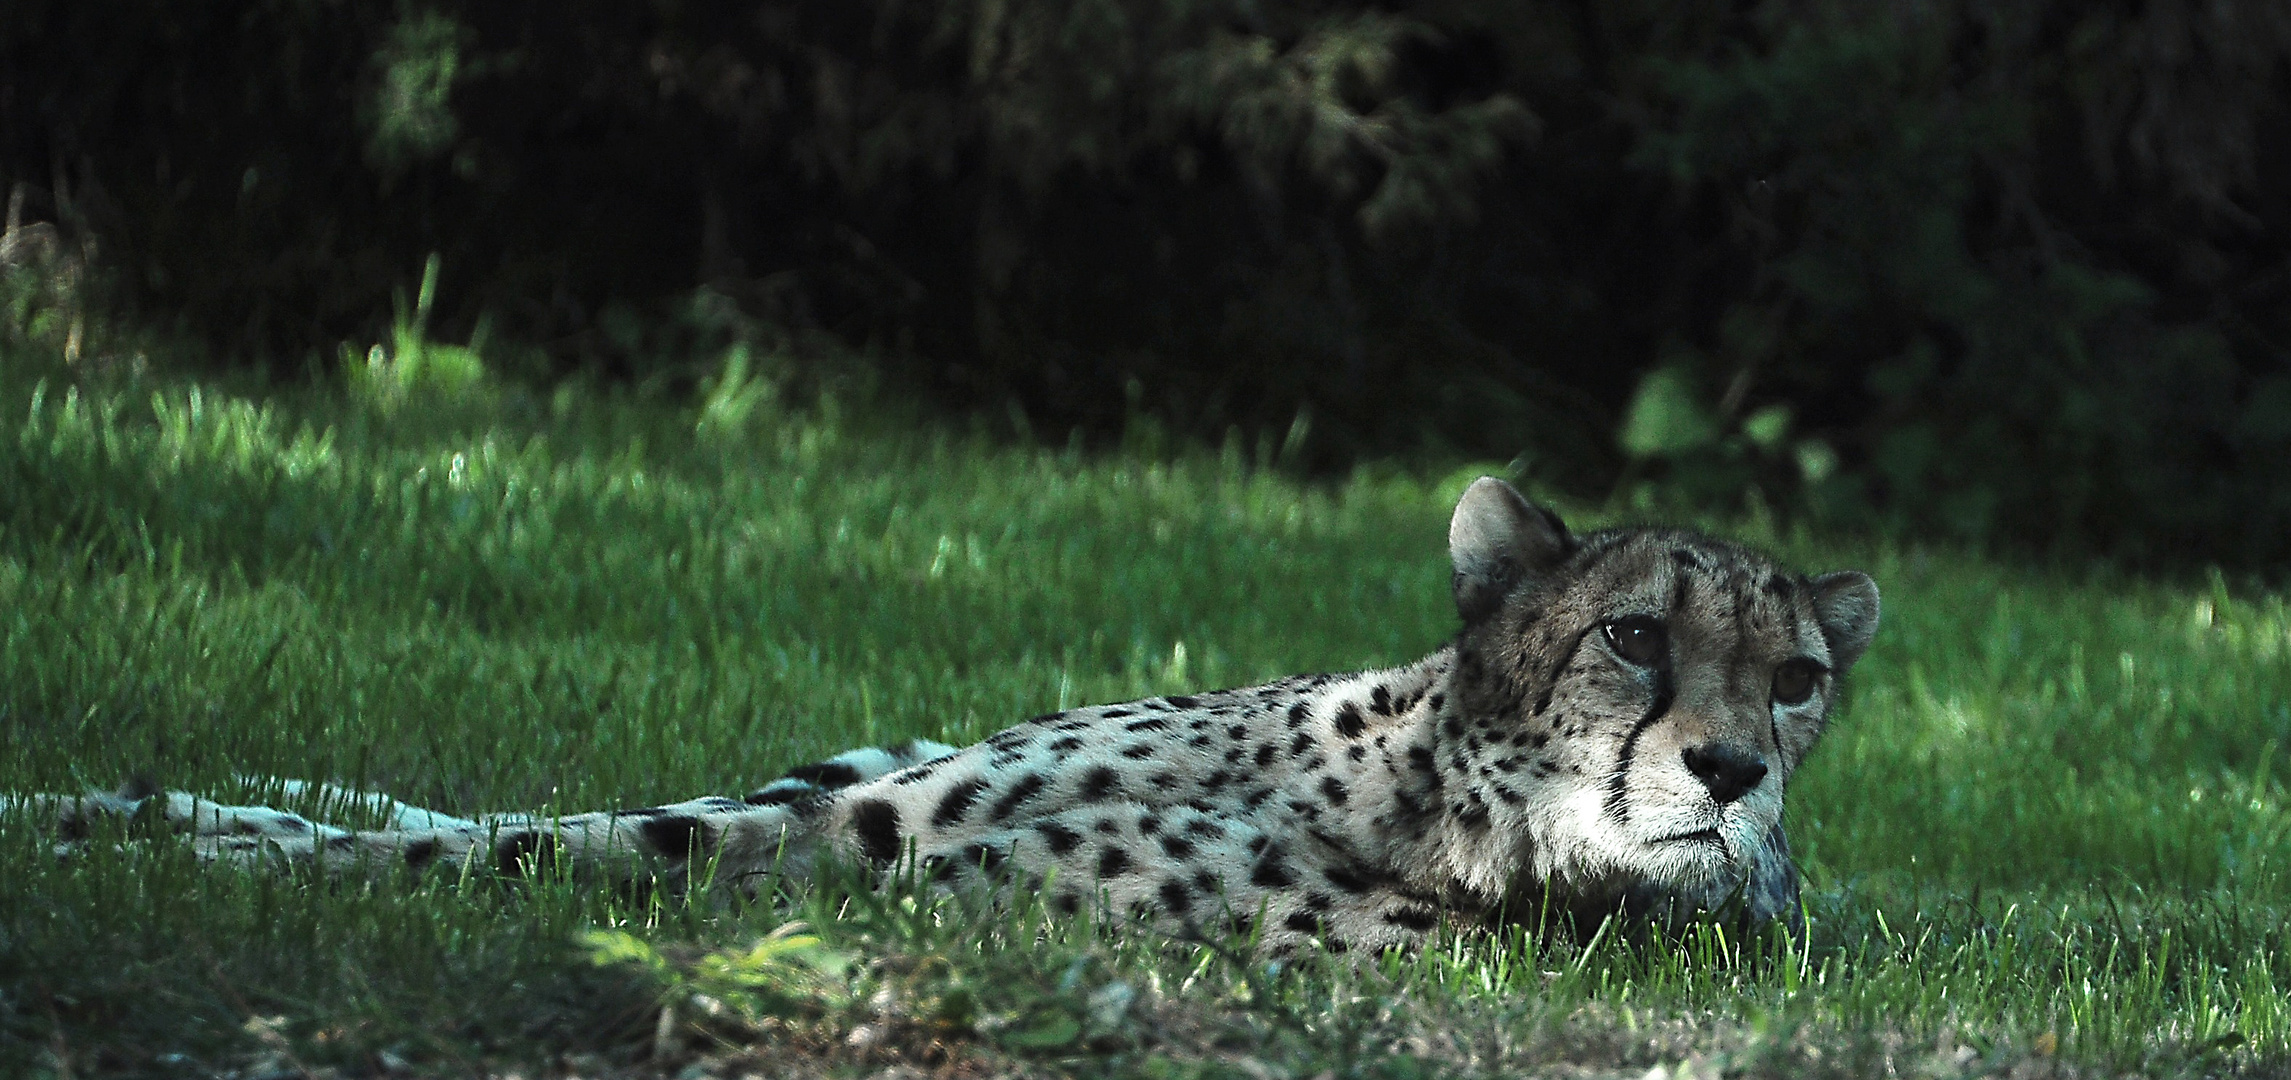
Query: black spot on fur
x=1413, y=918
x=1300, y=744
x=1206, y=882
x=1334, y=791
x=1351, y=879
x=1297, y=714
x=1174, y=897
x=918, y=774
x=1266, y=753
x=876, y=822
x=421, y=853
x=987, y=858
x=1070, y=742
x=1178, y=847
x=1272, y=872
x=1183, y=702
x=1148, y=824
x=1420, y=757
x=1473, y=816
x=1113, y=862
x=765, y=797
x=1380, y=701
x=1115, y=714
x=1099, y=783
x=1257, y=798
x=1026, y=788
x=676, y=837
x=518, y=849
x=1139, y=751
x=1009, y=738
x=1357, y=753
x=957, y=802
x=1151, y=723
x=1058, y=838
x=1348, y=720
x=1303, y=922
x=1237, y=731
x=826, y=774
x=1066, y=903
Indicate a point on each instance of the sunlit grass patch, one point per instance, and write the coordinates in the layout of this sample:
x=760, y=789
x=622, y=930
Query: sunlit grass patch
x=2048, y=830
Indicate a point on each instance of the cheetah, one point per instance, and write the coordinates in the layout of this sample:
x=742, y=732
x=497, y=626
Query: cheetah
x=1611, y=729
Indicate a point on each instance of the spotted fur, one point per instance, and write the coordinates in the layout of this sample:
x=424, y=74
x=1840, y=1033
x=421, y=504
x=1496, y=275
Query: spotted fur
x=1612, y=728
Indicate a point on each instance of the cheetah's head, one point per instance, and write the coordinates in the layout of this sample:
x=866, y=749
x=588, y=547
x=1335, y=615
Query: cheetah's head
x=1641, y=696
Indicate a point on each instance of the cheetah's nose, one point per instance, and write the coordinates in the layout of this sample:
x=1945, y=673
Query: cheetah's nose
x=1728, y=771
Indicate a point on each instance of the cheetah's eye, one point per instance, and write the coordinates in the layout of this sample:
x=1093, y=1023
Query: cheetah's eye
x=1794, y=681
x=1639, y=639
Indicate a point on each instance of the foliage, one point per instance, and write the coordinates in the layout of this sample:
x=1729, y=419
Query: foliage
x=1947, y=220
x=2013, y=268
x=784, y=971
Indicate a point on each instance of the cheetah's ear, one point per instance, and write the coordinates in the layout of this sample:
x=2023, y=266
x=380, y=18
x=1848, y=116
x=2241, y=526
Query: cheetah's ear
x=1496, y=540
x=1845, y=603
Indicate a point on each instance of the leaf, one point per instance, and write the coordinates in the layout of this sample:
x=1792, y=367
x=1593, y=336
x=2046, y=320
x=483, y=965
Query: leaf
x=609, y=947
x=1046, y=1032
x=1664, y=419
x=1768, y=427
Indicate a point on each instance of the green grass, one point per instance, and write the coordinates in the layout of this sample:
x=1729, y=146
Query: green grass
x=2049, y=829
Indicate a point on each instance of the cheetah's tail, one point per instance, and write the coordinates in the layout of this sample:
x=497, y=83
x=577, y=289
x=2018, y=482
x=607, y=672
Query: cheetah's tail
x=806, y=782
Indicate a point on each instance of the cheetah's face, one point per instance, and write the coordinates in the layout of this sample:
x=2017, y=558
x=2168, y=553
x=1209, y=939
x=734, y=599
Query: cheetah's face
x=1652, y=690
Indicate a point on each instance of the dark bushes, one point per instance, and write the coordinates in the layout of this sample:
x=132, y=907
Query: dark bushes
x=2009, y=268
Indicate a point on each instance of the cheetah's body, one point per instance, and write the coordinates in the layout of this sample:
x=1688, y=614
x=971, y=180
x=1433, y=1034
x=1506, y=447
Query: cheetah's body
x=1549, y=754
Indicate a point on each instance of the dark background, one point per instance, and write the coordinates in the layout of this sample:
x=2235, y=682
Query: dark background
x=2013, y=271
